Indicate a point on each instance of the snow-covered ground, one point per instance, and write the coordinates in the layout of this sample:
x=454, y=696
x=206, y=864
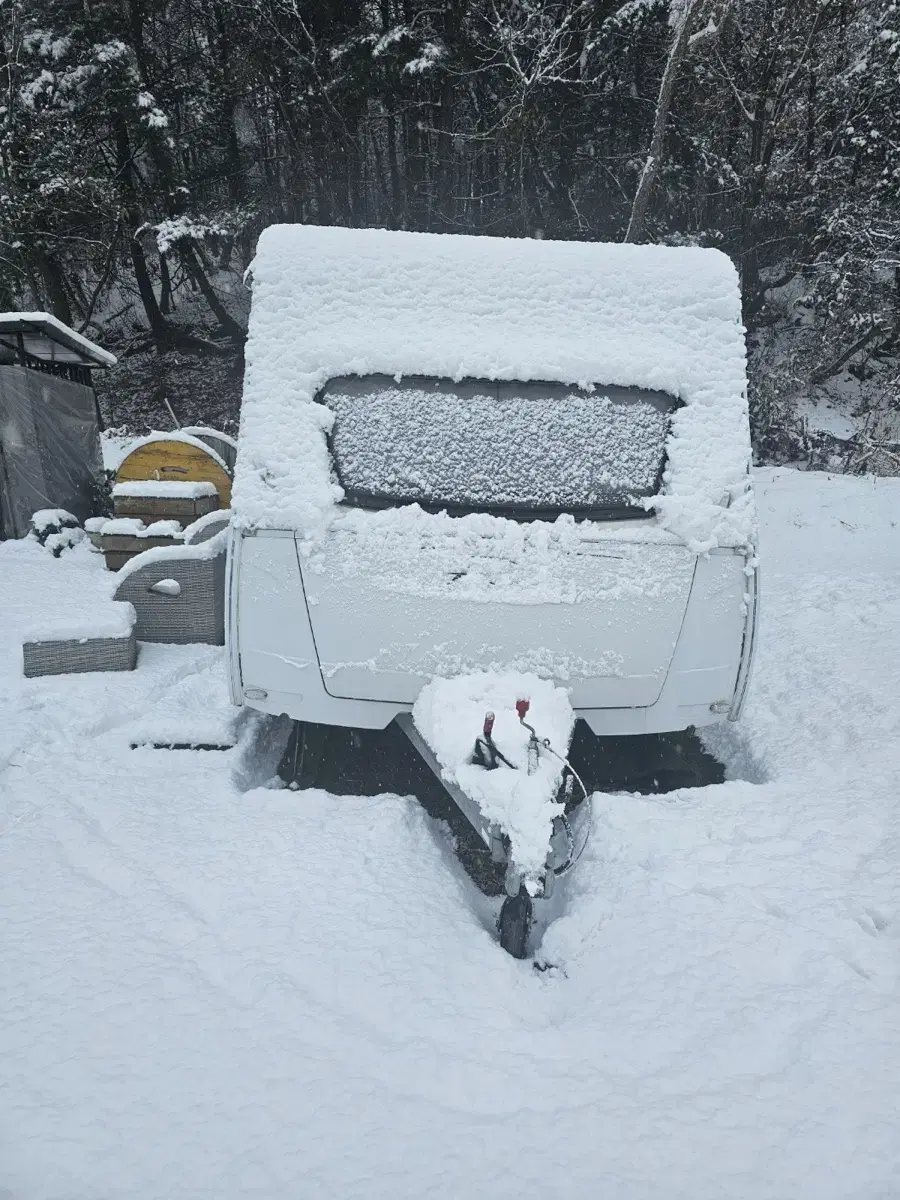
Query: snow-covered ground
x=216, y=993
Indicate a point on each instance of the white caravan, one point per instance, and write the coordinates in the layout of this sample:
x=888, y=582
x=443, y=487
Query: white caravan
x=463, y=454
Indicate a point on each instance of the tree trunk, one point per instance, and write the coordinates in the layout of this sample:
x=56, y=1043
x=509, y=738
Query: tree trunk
x=229, y=325
x=398, y=214
x=650, y=172
x=125, y=173
x=165, y=291
x=54, y=286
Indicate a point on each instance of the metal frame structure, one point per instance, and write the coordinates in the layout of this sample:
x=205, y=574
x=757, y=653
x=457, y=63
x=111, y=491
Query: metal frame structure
x=68, y=354
x=50, y=453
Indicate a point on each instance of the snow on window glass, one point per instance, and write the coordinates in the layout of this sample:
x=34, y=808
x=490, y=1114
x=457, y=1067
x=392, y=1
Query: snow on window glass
x=497, y=446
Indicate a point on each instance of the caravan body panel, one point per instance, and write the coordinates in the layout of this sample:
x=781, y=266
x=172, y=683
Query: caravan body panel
x=602, y=619
x=660, y=663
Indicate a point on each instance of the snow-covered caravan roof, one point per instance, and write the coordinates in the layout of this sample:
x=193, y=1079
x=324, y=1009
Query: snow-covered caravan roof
x=333, y=301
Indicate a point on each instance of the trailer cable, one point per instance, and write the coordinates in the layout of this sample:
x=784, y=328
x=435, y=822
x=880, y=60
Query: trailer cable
x=571, y=857
x=535, y=745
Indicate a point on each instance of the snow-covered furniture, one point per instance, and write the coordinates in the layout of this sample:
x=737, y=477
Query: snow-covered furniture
x=72, y=656
x=123, y=538
x=221, y=443
x=178, y=592
x=92, y=527
x=207, y=527
x=177, y=457
x=100, y=641
x=153, y=500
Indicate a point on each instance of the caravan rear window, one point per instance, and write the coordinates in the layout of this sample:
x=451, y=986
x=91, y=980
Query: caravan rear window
x=524, y=450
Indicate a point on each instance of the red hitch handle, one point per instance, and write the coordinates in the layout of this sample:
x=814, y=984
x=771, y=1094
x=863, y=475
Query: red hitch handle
x=488, y=724
x=522, y=707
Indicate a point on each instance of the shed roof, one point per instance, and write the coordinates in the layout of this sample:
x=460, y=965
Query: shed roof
x=333, y=301
x=48, y=339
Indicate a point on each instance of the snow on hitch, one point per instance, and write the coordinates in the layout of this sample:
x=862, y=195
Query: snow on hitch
x=509, y=776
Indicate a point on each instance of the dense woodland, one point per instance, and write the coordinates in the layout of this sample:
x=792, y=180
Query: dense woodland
x=145, y=143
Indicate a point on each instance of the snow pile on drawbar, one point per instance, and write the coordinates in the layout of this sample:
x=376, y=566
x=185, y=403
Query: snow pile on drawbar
x=450, y=713
x=331, y=302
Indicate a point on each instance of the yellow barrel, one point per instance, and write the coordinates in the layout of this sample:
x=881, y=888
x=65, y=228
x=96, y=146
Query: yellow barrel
x=176, y=459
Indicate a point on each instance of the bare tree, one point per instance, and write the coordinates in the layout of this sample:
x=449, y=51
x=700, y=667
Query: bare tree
x=683, y=21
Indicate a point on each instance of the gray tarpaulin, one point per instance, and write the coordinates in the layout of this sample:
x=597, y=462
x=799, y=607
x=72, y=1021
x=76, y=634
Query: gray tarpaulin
x=50, y=455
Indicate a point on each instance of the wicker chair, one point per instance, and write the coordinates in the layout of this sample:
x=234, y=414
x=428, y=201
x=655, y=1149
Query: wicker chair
x=178, y=596
x=207, y=527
